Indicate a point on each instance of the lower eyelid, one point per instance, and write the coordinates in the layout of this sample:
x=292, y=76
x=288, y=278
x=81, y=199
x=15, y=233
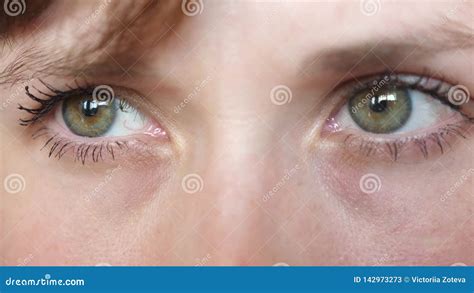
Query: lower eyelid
x=406, y=149
x=442, y=128
x=133, y=149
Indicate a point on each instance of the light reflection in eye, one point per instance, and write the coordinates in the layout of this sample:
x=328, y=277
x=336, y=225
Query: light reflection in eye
x=406, y=114
x=90, y=128
x=385, y=112
x=91, y=118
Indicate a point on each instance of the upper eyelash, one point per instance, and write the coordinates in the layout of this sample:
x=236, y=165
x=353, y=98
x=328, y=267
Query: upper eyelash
x=436, y=91
x=53, y=98
x=60, y=146
x=48, y=103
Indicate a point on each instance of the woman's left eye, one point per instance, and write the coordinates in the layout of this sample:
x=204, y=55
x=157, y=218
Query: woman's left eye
x=393, y=110
x=385, y=116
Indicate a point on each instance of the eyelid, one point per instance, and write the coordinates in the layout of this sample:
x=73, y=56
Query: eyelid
x=146, y=144
x=58, y=141
x=437, y=88
x=51, y=99
x=410, y=150
x=135, y=149
x=387, y=147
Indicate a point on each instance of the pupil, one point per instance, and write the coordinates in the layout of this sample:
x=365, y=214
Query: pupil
x=378, y=104
x=90, y=107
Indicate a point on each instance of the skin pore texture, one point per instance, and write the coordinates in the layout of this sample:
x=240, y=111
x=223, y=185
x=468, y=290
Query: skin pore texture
x=235, y=177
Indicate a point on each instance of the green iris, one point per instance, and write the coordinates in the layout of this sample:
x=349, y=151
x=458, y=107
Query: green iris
x=88, y=117
x=382, y=112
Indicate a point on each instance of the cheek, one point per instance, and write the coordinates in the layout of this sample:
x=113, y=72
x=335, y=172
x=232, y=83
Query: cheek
x=78, y=214
x=378, y=187
x=402, y=207
x=124, y=188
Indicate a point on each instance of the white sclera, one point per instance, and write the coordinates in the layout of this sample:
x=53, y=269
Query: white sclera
x=127, y=122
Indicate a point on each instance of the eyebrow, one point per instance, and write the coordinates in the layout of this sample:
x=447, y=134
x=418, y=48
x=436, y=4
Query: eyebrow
x=110, y=54
x=392, y=51
x=451, y=35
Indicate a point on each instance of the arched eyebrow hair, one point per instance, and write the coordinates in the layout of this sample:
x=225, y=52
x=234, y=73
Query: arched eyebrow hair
x=392, y=51
x=120, y=39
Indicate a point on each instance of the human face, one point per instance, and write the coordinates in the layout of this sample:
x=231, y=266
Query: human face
x=239, y=133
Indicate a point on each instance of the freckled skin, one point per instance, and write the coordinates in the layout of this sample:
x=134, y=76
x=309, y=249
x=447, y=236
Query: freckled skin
x=270, y=189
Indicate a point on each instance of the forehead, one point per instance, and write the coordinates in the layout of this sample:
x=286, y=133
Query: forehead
x=306, y=21
x=283, y=34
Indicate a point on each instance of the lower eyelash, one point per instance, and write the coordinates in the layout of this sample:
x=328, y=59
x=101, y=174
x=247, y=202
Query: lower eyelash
x=424, y=144
x=59, y=146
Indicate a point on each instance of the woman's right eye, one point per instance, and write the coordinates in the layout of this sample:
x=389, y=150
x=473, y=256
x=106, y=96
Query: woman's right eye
x=89, y=122
x=87, y=116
